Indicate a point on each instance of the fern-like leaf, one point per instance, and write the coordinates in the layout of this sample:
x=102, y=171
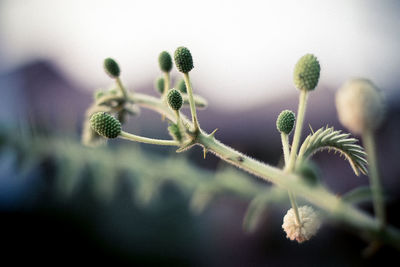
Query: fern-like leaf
x=330, y=139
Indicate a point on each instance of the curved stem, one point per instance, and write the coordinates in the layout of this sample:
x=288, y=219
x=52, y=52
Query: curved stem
x=299, y=127
x=141, y=139
x=376, y=188
x=191, y=102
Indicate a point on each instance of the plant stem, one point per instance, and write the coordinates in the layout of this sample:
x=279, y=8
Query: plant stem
x=179, y=121
x=297, y=131
x=285, y=147
x=141, y=139
x=376, y=188
x=153, y=103
x=336, y=208
x=178, y=116
x=166, y=84
x=289, y=165
x=292, y=197
x=121, y=87
x=191, y=102
x=319, y=196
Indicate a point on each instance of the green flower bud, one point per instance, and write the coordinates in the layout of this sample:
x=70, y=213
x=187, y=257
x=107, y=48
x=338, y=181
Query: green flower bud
x=105, y=125
x=285, y=121
x=181, y=86
x=165, y=61
x=111, y=67
x=183, y=59
x=160, y=83
x=306, y=72
x=175, y=100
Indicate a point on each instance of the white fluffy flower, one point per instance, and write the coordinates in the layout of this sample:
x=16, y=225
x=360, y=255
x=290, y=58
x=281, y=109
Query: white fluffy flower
x=309, y=226
x=359, y=105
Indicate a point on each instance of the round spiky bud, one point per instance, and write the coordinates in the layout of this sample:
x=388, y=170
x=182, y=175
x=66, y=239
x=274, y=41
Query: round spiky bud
x=309, y=226
x=111, y=67
x=105, y=125
x=183, y=59
x=165, y=61
x=181, y=86
x=360, y=105
x=285, y=121
x=306, y=72
x=160, y=83
x=175, y=100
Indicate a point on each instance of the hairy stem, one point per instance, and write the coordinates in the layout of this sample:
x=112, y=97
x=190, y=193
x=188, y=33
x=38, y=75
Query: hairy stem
x=319, y=196
x=292, y=197
x=336, y=208
x=166, y=84
x=285, y=147
x=297, y=131
x=191, y=101
x=376, y=188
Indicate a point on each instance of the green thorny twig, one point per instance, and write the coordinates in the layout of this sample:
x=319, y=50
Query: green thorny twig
x=334, y=207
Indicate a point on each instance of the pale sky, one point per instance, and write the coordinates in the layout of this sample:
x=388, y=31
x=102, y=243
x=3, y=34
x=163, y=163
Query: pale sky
x=246, y=49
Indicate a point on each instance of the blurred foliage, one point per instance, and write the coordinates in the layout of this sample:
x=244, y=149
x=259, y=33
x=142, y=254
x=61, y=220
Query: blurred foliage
x=145, y=172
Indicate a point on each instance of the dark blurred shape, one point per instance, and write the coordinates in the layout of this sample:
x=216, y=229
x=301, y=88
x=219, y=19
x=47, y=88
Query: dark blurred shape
x=40, y=94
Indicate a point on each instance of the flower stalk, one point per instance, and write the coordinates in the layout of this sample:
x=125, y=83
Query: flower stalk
x=298, y=129
x=141, y=139
x=292, y=197
x=376, y=187
x=195, y=121
x=121, y=87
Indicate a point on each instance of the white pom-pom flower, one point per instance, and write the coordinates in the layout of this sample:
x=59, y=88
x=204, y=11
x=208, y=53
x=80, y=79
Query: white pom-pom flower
x=359, y=105
x=310, y=223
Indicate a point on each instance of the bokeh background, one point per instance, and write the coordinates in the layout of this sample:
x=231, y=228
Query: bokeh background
x=58, y=203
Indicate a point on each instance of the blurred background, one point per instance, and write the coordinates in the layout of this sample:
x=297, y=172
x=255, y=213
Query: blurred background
x=130, y=203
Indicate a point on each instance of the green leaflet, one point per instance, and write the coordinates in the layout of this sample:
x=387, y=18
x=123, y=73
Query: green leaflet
x=329, y=139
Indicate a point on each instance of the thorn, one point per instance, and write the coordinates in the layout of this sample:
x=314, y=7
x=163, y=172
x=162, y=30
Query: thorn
x=185, y=146
x=213, y=132
x=309, y=125
x=204, y=152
